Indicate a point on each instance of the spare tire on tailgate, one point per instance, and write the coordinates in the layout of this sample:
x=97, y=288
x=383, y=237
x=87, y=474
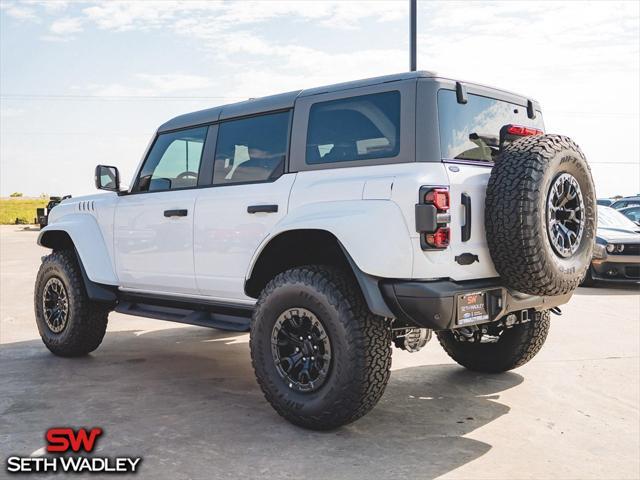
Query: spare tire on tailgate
x=540, y=215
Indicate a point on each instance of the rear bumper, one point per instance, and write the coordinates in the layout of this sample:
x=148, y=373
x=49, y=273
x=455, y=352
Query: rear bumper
x=434, y=305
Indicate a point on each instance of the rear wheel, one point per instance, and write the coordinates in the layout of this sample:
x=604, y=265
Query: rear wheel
x=70, y=324
x=499, y=348
x=321, y=358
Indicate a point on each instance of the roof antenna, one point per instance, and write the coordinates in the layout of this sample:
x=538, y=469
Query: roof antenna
x=412, y=34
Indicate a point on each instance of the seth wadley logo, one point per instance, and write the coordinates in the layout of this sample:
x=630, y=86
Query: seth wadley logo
x=65, y=440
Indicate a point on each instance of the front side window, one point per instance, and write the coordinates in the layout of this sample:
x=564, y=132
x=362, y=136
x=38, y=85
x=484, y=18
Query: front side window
x=355, y=128
x=471, y=131
x=251, y=149
x=174, y=161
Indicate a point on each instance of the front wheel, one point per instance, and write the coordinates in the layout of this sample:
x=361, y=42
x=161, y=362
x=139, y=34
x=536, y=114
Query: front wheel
x=492, y=349
x=320, y=357
x=70, y=324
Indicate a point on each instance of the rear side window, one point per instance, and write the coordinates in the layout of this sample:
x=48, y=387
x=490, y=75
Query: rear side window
x=174, y=161
x=251, y=149
x=355, y=128
x=471, y=131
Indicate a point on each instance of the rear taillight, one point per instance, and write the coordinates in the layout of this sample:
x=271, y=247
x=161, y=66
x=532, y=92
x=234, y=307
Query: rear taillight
x=522, y=131
x=439, y=197
x=438, y=239
x=433, y=217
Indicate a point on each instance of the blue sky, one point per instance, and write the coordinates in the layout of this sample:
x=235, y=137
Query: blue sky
x=83, y=83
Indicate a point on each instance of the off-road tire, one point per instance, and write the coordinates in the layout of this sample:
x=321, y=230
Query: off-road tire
x=87, y=320
x=515, y=347
x=516, y=215
x=360, y=347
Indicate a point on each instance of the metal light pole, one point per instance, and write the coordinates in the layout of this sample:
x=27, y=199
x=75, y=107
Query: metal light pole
x=412, y=35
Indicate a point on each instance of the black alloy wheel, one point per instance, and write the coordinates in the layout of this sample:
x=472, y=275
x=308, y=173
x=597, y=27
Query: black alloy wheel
x=301, y=349
x=565, y=212
x=55, y=305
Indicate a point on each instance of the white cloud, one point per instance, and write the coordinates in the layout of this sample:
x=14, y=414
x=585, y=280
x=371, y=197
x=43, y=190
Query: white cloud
x=168, y=83
x=457, y=38
x=228, y=31
x=302, y=67
x=56, y=38
x=137, y=15
x=152, y=85
x=20, y=12
x=225, y=15
x=581, y=60
x=53, y=6
x=533, y=48
x=66, y=26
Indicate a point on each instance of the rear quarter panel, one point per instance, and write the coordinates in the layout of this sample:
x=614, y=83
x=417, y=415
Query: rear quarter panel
x=371, y=210
x=368, y=224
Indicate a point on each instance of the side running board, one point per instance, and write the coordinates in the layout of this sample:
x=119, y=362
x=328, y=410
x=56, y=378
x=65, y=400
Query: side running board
x=202, y=318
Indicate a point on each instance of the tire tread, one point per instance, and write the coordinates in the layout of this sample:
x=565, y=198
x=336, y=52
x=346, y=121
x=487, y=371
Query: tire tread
x=369, y=348
x=517, y=346
x=516, y=239
x=88, y=323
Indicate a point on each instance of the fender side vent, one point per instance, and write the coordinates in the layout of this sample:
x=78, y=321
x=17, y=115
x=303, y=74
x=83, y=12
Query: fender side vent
x=88, y=206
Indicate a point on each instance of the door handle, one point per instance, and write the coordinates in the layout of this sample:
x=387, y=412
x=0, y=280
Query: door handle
x=466, y=228
x=176, y=213
x=262, y=208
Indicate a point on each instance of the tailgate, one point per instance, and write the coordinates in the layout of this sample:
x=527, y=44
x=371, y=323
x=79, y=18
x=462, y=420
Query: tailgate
x=462, y=180
x=467, y=184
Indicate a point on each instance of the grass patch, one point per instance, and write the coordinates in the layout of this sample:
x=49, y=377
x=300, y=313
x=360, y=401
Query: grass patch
x=22, y=208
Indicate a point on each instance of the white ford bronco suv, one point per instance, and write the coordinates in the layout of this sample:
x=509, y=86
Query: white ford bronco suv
x=332, y=223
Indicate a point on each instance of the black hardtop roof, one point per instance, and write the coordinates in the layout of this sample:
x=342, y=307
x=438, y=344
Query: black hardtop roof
x=281, y=101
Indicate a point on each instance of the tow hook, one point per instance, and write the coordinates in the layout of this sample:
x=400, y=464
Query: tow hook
x=556, y=310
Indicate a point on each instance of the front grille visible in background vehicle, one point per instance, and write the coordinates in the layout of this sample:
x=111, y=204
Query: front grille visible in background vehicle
x=629, y=249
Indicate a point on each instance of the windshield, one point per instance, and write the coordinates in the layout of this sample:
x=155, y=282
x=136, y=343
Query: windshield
x=471, y=131
x=611, y=218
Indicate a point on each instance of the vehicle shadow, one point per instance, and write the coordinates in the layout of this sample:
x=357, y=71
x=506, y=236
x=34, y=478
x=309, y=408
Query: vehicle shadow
x=186, y=400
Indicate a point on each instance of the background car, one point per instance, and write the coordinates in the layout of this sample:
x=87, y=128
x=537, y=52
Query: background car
x=616, y=256
x=632, y=213
x=626, y=202
x=605, y=201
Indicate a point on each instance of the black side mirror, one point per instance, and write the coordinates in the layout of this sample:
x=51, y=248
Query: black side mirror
x=107, y=178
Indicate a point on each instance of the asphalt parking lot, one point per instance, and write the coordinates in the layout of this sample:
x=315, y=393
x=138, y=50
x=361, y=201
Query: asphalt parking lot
x=185, y=399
